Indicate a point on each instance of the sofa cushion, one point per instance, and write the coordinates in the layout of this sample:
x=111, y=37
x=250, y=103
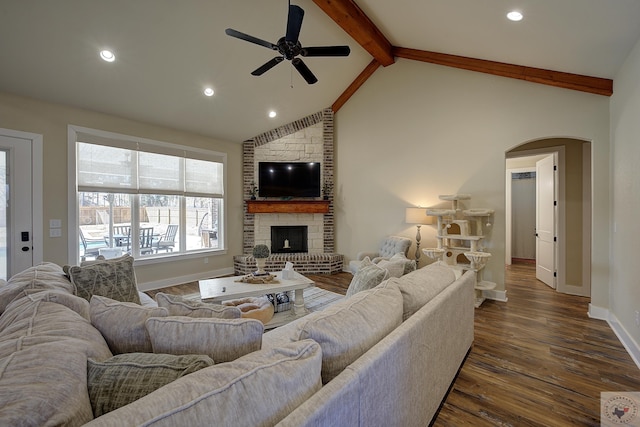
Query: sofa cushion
x=72, y=302
x=45, y=276
x=27, y=323
x=44, y=384
x=346, y=329
x=367, y=277
x=221, y=339
x=259, y=389
x=180, y=306
x=420, y=286
x=113, y=278
x=123, y=324
x=125, y=378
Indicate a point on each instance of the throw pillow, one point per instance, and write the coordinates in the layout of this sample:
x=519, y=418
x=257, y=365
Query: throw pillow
x=180, y=306
x=125, y=378
x=113, y=278
x=367, y=278
x=395, y=268
x=409, y=264
x=122, y=324
x=221, y=339
x=259, y=389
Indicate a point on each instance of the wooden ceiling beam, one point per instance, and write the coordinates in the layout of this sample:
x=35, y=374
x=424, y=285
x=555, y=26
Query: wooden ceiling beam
x=596, y=85
x=353, y=20
x=355, y=85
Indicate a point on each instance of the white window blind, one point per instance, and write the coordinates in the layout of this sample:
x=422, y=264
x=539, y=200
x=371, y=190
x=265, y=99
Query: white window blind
x=145, y=170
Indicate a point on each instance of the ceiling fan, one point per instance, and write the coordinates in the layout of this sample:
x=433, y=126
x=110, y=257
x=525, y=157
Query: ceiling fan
x=290, y=48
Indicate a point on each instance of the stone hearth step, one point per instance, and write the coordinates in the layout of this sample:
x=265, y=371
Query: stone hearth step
x=328, y=263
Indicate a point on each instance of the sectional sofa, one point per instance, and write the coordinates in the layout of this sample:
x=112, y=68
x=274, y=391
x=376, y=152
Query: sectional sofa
x=382, y=357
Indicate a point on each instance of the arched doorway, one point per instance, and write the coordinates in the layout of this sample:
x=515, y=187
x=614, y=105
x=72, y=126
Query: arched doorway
x=573, y=198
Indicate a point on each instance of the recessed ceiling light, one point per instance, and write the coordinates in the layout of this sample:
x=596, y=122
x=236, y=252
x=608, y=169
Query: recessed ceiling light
x=514, y=15
x=272, y=114
x=208, y=91
x=107, y=55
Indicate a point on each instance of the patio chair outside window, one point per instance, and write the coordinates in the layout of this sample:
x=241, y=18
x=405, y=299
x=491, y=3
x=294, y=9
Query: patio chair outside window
x=146, y=240
x=91, y=246
x=168, y=241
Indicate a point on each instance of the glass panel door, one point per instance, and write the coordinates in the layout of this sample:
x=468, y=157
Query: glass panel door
x=4, y=261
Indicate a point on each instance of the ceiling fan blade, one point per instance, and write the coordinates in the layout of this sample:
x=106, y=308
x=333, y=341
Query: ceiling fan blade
x=242, y=36
x=304, y=71
x=294, y=23
x=326, y=51
x=267, y=66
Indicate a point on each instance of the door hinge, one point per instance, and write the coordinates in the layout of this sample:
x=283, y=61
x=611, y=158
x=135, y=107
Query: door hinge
x=555, y=203
x=555, y=239
x=555, y=168
x=555, y=274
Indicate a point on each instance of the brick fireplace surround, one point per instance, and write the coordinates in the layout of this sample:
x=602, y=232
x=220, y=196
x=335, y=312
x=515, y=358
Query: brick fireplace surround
x=307, y=139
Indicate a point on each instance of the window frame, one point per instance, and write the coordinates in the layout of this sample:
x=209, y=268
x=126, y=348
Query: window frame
x=128, y=141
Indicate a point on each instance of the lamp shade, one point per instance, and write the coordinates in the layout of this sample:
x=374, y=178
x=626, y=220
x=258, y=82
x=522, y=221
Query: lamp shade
x=417, y=216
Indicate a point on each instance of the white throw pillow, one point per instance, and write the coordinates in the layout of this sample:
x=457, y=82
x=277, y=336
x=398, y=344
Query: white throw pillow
x=221, y=339
x=395, y=268
x=180, y=306
x=367, y=277
x=122, y=324
x=409, y=264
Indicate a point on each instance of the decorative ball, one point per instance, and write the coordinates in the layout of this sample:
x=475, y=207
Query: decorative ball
x=261, y=251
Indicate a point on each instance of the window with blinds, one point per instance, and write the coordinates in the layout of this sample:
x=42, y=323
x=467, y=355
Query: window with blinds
x=145, y=198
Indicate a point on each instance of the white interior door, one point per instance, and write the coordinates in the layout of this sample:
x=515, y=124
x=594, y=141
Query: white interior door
x=16, y=207
x=546, y=221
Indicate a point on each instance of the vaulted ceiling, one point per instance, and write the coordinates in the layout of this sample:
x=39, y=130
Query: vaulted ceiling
x=167, y=52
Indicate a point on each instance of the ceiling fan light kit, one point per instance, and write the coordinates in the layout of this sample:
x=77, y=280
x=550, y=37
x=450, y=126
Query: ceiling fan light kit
x=289, y=47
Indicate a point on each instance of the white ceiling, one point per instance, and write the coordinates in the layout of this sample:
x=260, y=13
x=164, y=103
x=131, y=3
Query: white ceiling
x=168, y=51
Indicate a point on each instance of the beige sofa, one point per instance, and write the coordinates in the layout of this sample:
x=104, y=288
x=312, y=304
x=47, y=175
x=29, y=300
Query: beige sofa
x=382, y=357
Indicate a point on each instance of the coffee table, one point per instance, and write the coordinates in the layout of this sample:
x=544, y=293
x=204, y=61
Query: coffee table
x=227, y=288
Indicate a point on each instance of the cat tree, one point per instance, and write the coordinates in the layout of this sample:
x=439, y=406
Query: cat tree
x=459, y=240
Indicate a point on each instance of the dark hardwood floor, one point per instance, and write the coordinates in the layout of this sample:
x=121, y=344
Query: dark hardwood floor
x=537, y=360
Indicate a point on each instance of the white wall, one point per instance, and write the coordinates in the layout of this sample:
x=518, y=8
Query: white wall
x=415, y=130
x=625, y=237
x=51, y=121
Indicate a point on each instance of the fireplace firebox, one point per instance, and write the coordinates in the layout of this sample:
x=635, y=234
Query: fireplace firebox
x=288, y=239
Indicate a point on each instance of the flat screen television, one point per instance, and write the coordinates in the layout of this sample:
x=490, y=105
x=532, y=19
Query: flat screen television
x=289, y=179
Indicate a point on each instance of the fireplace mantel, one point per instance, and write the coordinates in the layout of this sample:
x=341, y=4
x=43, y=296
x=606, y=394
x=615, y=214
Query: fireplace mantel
x=287, y=206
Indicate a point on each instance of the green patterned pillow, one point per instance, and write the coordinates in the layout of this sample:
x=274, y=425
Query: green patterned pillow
x=367, y=278
x=125, y=378
x=114, y=278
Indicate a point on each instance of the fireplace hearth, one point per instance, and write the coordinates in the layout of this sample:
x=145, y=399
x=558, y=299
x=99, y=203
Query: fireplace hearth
x=289, y=239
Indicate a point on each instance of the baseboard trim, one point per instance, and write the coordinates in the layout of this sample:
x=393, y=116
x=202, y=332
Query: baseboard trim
x=624, y=337
x=158, y=284
x=496, y=295
x=599, y=313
